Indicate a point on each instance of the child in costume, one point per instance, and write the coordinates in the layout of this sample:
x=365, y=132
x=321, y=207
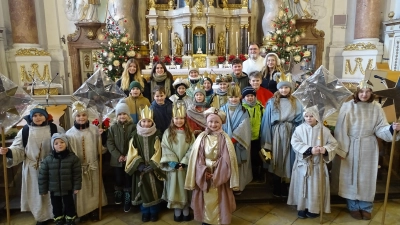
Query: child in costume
x=256, y=111
x=282, y=115
x=360, y=121
x=220, y=98
x=31, y=146
x=213, y=172
x=180, y=96
x=304, y=186
x=194, y=80
x=176, y=143
x=83, y=139
x=195, y=116
x=142, y=164
x=237, y=126
x=118, y=138
x=61, y=174
x=162, y=109
x=136, y=100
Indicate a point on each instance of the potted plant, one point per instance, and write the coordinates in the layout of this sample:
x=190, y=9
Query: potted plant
x=221, y=60
x=178, y=62
x=231, y=58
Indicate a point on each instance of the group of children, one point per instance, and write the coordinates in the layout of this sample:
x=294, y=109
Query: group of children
x=185, y=150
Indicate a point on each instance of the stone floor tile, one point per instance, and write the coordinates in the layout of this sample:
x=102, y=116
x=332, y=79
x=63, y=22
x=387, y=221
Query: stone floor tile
x=266, y=207
x=286, y=212
x=250, y=213
x=311, y=221
x=239, y=221
x=273, y=219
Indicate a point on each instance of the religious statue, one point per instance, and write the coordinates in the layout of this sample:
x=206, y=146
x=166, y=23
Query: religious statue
x=221, y=44
x=224, y=4
x=89, y=11
x=210, y=3
x=171, y=4
x=152, y=4
x=178, y=45
x=307, y=9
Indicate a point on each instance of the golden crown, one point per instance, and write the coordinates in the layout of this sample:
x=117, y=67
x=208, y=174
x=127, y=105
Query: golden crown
x=146, y=113
x=78, y=107
x=179, y=110
x=224, y=78
x=284, y=77
x=234, y=90
x=364, y=84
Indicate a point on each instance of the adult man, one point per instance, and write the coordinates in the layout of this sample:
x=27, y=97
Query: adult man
x=255, y=62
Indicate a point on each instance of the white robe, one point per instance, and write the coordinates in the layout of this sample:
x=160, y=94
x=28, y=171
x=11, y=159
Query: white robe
x=87, y=198
x=250, y=65
x=31, y=200
x=356, y=129
x=304, y=186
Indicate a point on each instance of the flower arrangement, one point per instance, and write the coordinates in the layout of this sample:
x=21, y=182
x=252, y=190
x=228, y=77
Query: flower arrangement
x=156, y=58
x=117, y=50
x=104, y=125
x=221, y=59
x=167, y=60
x=178, y=60
x=242, y=57
x=231, y=58
x=285, y=37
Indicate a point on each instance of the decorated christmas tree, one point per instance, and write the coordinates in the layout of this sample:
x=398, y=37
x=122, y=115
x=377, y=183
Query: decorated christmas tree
x=284, y=38
x=117, y=50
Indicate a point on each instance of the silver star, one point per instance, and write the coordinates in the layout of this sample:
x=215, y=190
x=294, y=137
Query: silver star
x=392, y=94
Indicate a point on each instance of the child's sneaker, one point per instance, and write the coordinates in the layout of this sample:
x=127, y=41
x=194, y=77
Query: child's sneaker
x=302, y=214
x=59, y=220
x=70, y=220
x=118, y=197
x=127, y=203
x=312, y=215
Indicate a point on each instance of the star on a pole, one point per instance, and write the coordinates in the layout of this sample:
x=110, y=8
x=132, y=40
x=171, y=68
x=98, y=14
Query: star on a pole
x=323, y=90
x=394, y=94
x=100, y=92
x=14, y=101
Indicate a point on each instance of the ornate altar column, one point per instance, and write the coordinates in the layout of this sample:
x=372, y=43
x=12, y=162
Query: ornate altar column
x=23, y=23
x=367, y=24
x=190, y=39
x=209, y=39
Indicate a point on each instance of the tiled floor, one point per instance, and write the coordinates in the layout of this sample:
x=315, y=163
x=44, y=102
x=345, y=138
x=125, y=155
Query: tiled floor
x=245, y=214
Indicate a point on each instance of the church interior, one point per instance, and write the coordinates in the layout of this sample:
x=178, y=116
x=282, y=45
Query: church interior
x=50, y=48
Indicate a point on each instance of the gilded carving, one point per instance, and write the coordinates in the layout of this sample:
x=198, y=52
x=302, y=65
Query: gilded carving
x=200, y=61
x=210, y=3
x=34, y=72
x=186, y=63
x=213, y=62
x=91, y=35
x=245, y=3
x=348, y=68
x=359, y=46
x=199, y=8
x=31, y=52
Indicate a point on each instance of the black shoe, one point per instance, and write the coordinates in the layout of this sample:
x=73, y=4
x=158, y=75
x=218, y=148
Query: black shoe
x=302, y=214
x=84, y=218
x=178, y=218
x=187, y=218
x=94, y=216
x=145, y=217
x=312, y=215
x=118, y=197
x=127, y=202
x=154, y=217
x=41, y=223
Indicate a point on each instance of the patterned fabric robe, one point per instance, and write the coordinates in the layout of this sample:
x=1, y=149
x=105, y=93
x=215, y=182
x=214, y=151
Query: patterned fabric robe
x=304, y=186
x=146, y=187
x=276, y=129
x=213, y=201
x=174, y=192
x=237, y=126
x=84, y=143
x=356, y=129
x=31, y=200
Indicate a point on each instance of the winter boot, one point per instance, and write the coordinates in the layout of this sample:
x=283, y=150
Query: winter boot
x=118, y=195
x=127, y=202
x=70, y=220
x=59, y=220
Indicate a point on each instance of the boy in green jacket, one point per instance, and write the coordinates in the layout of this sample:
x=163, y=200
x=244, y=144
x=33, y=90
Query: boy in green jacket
x=61, y=174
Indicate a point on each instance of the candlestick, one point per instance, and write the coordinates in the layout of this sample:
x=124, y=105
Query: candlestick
x=161, y=41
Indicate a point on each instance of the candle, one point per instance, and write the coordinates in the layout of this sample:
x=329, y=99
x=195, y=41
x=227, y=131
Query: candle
x=237, y=40
x=226, y=41
x=161, y=41
x=248, y=38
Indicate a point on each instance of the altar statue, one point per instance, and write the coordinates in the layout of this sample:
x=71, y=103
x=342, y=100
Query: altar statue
x=178, y=45
x=88, y=10
x=221, y=44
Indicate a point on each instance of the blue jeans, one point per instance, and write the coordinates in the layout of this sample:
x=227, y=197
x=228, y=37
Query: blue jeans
x=355, y=205
x=153, y=210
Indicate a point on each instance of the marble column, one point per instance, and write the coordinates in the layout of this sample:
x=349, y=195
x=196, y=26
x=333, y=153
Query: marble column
x=213, y=35
x=134, y=13
x=367, y=19
x=227, y=36
x=23, y=22
x=209, y=39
